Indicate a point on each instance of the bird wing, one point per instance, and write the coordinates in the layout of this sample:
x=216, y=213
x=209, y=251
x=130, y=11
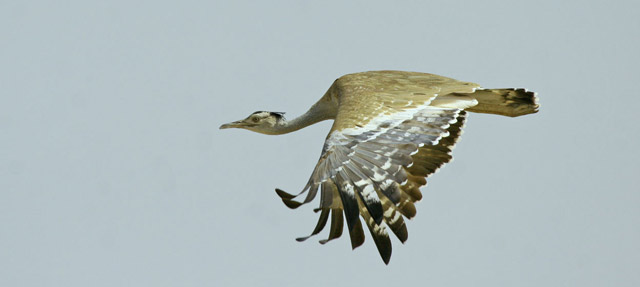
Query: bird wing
x=365, y=96
x=380, y=149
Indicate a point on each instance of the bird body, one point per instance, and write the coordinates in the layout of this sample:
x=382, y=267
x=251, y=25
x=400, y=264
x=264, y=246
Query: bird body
x=391, y=130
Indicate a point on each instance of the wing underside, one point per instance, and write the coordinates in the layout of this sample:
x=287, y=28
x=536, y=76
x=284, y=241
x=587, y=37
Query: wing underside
x=375, y=172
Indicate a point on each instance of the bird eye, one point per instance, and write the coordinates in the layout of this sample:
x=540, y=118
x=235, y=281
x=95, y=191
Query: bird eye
x=255, y=119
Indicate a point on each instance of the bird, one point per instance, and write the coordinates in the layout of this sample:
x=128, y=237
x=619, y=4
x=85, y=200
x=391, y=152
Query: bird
x=391, y=130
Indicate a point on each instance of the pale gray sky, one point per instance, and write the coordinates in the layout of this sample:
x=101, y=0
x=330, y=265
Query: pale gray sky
x=113, y=171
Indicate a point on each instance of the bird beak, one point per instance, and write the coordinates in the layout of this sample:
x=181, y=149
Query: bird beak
x=236, y=124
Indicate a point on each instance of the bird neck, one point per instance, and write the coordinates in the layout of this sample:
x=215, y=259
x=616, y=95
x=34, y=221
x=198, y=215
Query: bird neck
x=320, y=111
x=305, y=120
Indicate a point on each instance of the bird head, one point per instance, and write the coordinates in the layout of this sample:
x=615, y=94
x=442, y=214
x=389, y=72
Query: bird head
x=260, y=122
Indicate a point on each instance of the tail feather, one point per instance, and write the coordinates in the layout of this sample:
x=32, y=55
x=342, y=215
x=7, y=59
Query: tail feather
x=505, y=102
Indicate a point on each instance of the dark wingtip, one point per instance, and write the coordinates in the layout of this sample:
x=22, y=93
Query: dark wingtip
x=382, y=241
x=355, y=245
x=336, y=226
x=357, y=235
x=402, y=235
x=291, y=203
x=384, y=248
x=322, y=221
x=288, y=199
x=283, y=194
x=386, y=259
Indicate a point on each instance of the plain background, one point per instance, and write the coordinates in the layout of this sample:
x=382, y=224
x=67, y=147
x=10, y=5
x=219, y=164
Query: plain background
x=113, y=171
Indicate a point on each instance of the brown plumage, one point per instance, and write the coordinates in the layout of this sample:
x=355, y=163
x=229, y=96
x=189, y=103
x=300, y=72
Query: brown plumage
x=392, y=130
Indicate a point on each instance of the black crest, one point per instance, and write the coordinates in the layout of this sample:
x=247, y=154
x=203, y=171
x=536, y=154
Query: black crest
x=277, y=115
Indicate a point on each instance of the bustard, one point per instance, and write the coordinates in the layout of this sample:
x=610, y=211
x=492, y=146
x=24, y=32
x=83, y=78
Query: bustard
x=391, y=130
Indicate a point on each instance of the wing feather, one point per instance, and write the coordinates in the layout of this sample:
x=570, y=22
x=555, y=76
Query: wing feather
x=322, y=221
x=393, y=219
x=379, y=235
x=350, y=204
x=382, y=146
x=336, y=225
x=374, y=175
x=366, y=191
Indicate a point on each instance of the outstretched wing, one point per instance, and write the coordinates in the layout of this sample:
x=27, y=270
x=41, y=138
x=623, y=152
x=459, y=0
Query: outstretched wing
x=377, y=173
x=380, y=149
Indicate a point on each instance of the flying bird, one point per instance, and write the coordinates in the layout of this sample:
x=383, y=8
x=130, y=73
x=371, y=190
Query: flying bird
x=391, y=130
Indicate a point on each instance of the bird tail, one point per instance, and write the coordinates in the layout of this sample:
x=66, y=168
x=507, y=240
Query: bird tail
x=505, y=102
